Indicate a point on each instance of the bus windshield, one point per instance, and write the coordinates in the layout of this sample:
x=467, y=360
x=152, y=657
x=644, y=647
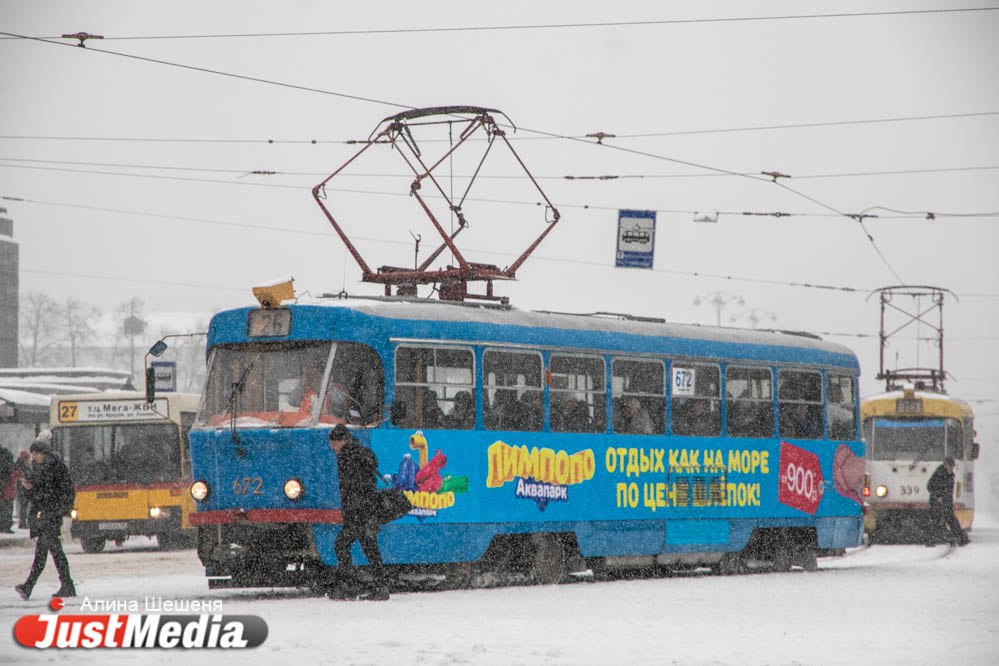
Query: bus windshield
x=915, y=439
x=281, y=384
x=124, y=453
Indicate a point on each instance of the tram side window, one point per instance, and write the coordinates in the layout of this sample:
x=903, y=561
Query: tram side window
x=955, y=439
x=695, y=400
x=638, y=397
x=578, y=396
x=749, y=402
x=842, y=401
x=799, y=404
x=512, y=390
x=356, y=386
x=430, y=381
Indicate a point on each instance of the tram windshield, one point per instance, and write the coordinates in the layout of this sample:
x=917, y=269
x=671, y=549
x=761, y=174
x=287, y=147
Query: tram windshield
x=912, y=439
x=291, y=385
x=128, y=453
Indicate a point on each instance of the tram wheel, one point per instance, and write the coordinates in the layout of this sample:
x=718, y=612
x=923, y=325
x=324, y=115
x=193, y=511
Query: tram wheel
x=93, y=544
x=551, y=563
x=730, y=564
x=808, y=560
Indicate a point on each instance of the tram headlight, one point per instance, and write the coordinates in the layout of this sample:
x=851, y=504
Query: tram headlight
x=73, y=514
x=293, y=489
x=881, y=491
x=199, y=491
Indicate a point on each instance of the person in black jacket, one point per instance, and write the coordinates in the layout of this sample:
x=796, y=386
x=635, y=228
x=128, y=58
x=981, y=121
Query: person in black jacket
x=51, y=494
x=357, y=468
x=22, y=467
x=8, y=490
x=942, y=518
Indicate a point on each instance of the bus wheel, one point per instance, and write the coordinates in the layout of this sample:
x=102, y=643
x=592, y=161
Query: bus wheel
x=551, y=563
x=92, y=544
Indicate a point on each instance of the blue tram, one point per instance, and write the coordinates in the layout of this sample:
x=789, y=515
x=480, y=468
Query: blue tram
x=532, y=441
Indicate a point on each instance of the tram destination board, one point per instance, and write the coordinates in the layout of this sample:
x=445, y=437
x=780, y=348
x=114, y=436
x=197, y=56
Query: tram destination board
x=908, y=406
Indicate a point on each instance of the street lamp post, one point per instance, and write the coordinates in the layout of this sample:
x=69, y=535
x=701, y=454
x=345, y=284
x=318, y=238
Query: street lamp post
x=754, y=316
x=157, y=350
x=719, y=299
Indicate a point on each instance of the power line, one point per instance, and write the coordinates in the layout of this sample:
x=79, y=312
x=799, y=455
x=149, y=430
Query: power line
x=207, y=70
x=930, y=215
x=606, y=177
x=914, y=215
x=833, y=123
x=858, y=218
x=617, y=135
x=368, y=99
x=696, y=274
x=118, y=278
x=547, y=26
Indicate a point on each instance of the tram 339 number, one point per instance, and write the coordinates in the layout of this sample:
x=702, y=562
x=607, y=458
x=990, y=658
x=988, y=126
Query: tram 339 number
x=908, y=490
x=248, y=485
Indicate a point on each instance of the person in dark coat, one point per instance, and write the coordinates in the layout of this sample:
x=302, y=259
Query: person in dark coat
x=51, y=494
x=357, y=468
x=8, y=490
x=944, y=525
x=22, y=467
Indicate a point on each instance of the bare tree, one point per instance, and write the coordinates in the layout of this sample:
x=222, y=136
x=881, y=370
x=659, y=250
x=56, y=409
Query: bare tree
x=39, y=328
x=77, y=325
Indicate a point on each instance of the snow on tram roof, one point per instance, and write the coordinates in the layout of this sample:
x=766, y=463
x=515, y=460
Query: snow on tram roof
x=921, y=395
x=614, y=323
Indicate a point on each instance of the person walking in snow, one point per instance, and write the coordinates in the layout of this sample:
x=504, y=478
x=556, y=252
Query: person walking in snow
x=944, y=525
x=51, y=494
x=357, y=468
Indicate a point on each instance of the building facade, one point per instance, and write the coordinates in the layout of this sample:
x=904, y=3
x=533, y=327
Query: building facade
x=9, y=285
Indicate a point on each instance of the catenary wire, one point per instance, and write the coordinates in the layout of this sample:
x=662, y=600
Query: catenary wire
x=915, y=215
x=605, y=177
x=373, y=100
x=617, y=135
x=556, y=26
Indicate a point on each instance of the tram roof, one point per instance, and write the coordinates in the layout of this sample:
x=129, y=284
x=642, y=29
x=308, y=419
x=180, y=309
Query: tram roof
x=920, y=395
x=423, y=311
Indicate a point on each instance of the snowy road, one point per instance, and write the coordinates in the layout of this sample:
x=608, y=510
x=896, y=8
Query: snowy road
x=884, y=604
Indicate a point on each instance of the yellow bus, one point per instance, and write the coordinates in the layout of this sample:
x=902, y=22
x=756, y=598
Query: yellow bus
x=130, y=463
x=909, y=431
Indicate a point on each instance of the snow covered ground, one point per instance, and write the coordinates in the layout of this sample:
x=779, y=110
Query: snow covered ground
x=879, y=605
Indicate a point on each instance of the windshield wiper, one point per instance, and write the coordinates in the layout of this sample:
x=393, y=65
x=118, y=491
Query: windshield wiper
x=237, y=388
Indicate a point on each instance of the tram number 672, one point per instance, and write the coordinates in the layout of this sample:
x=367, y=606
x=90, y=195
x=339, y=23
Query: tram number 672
x=248, y=485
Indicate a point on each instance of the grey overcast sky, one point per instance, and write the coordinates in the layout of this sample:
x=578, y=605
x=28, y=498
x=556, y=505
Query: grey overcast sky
x=134, y=162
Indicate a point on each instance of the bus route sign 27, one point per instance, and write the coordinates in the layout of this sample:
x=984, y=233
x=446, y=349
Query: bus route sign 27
x=93, y=411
